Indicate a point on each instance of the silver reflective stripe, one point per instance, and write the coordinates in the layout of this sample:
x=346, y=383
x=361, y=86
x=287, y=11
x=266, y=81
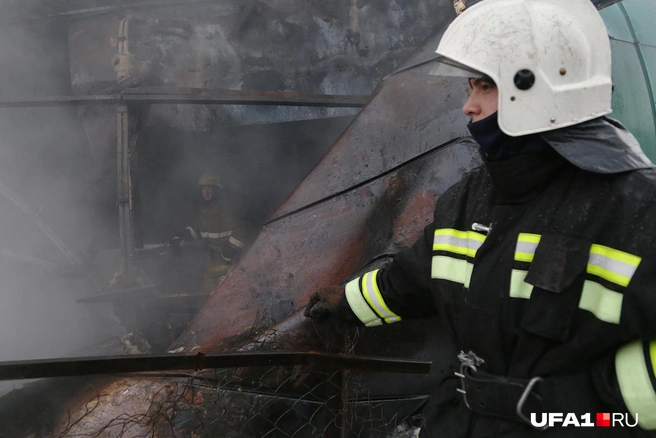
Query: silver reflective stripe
x=448, y=268
x=373, y=296
x=527, y=244
x=519, y=288
x=635, y=382
x=525, y=251
x=359, y=305
x=604, y=303
x=193, y=233
x=616, y=266
x=458, y=242
x=215, y=235
x=618, y=270
x=235, y=242
x=526, y=247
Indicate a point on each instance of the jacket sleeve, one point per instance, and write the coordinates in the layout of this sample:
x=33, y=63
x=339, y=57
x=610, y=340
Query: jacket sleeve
x=188, y=234
x=626, y=379
x=399, y=291
x=232, y=248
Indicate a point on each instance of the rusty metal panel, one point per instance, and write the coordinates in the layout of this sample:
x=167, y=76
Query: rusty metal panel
x=410, y=114
x=325, y=244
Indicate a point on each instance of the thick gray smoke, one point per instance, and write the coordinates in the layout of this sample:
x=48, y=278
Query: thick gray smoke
x=45, y=210
x=58, y=188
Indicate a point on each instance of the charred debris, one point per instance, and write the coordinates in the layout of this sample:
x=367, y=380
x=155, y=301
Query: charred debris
x=108, y=113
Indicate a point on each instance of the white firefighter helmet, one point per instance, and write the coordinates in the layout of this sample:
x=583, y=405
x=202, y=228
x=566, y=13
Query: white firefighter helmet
x=550, y=60
x=209, y=179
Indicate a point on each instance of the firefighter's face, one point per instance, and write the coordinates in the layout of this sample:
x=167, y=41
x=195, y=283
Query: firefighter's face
x=483, y=100
x=208, y=192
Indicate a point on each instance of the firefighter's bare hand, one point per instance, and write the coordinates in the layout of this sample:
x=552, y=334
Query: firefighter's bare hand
x=319, y=307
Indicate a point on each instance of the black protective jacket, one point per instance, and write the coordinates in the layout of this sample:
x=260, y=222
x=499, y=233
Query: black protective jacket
x=565, y=277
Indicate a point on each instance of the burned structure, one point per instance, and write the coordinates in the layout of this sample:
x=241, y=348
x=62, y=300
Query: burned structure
x=334, y=151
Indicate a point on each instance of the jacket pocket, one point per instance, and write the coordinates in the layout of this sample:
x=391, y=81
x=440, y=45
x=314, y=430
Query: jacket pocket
x=557, y=273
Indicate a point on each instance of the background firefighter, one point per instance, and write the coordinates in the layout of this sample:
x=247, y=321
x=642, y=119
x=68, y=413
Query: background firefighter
x=217, y=226
x=540, y=262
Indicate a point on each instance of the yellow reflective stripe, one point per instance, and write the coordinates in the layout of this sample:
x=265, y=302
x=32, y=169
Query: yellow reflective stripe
x=372, y=294
x=460, y=234
x=615, y=254
x=635, y=384
x=526, y=245
x=613, y=265
x=604, y=303
x=359, y=306
x=519, y=288
x=529, y=238
x=448, y=268
x=458, y=242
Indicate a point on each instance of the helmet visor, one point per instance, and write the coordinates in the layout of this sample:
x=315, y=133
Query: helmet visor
x=444, y=66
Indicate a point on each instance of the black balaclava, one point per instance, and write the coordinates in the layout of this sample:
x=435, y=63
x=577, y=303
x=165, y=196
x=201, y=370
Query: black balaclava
x=497, y=145
x=520, y=167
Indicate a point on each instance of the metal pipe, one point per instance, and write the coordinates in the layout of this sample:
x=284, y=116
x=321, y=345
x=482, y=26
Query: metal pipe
x=200, y=97
x=35, y=369
x=124, y=200
x=74, y=14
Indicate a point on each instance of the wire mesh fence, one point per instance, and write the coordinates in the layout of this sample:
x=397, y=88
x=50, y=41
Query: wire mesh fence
x=246, y=402
x=253, y=401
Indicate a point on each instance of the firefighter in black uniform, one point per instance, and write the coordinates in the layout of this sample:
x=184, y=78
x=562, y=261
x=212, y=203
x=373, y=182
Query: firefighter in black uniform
x=542, y=262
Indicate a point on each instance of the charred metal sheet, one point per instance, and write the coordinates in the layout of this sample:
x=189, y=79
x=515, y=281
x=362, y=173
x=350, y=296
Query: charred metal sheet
x=201, y=97
x=35, y=369
x=326, y=243
x=407, y=125
x=371, y=195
